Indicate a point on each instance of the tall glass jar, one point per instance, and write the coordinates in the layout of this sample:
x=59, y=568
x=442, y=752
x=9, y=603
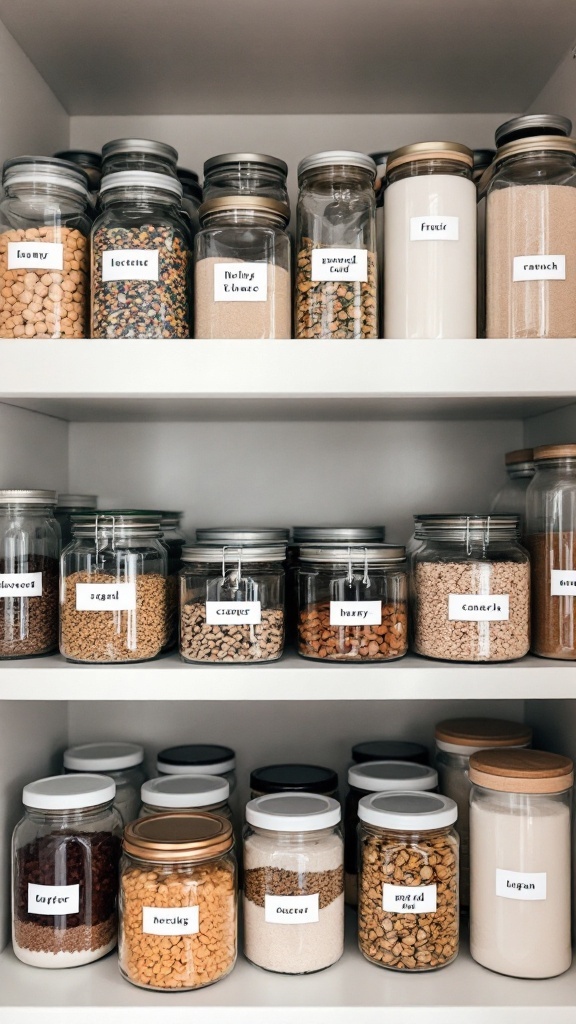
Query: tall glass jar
x=44, y=250
x=511, y=498
x=294, y=778
x=520, y=862
x=243, y=286
x=69, y=505
x=528, y=125
x=113, y=594
x=141, y=258
x=123, y=762
x=482, y=191
x=185, y=793
x=139, y=155
x=29, y=552
x=336, y=263
x=246, y=174
x=430, y=242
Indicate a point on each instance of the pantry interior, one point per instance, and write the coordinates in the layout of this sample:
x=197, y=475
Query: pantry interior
x=276, y=432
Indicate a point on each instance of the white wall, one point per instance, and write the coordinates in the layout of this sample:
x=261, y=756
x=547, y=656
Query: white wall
x=559, y=94
x=33, y=449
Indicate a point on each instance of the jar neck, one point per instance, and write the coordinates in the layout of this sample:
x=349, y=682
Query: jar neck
x=27, y=511
x=243, y=218
x=519, y=473
x=541, y=160
x=404, y=836
x=70, y=816
x=418, y=168
x=337, y=177
x=139, y=197
x=567, y=465
x=38, y=190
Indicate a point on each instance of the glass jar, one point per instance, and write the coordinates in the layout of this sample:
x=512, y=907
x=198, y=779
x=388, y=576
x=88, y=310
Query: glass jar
x=91, y=164
x=202, y=759
x=117, y=562
x=247, y=174
x=511, y=499
x=408, y=881
x=185, y=793
x=177, y=879
x=520, y=862
x=232, y=604
x=430, y=242
x=528, y=125
x=339, y=587
x=191, y=196
x=175, y=539
x=551, y=528
x=29, y=552
x=243, y=286
x=123, y=762
x=139, y=155
x=471, y=589
x=44, y=257
x=530, y=244
x=456, y=740
x=294, y=778
x=381, y=161
x=141, y=259
x=389, y=750
x=293, y=883
x=65, y=854
x=242, y=536
x=336, y=264
x=68, y=505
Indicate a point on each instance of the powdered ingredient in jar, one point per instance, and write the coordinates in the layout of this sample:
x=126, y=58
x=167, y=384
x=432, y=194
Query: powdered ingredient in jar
x=330, y=309
x=269, y=319
x=553, y=617
x=29, y=625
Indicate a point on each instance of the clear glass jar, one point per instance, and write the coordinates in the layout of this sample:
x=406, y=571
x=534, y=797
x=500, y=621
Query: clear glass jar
x=123, y=762
x=243, y=285
x=528, y=125
x=471, y=589
x=117, y=562
x=139, y=155
x=293, y=778
x=202, y=759
x=336, y=263
x=430, y=242
x=293, y=883
x=352, y=603
x=408, y=881
x=482, y=160
x=247, y=174
x=91, y=164
x=530, y=244
x=177, y=879
x=69, y=505
x=381, y=161
x=29, y=552
x=511, y=498
x=232, y=604
x=44, y=250
x=520, y=862
x=482, y=190
x=141, y=259
x=185, y=793
x=191, y=196
x=65, y=854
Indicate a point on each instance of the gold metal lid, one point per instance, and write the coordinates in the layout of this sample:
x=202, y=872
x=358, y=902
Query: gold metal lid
x=521, y=771
x=554, y=451
x=494, y=732
x=430, y=151
x=178, y=836
x=238, y=202
x=536, y=144
x=520, y=455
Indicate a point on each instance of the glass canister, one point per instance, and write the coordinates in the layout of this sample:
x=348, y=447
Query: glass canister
x=44, y=250
x=389, y=750
x=511, y=499
x=482, y=191
x=65, y=854
x=430, y=242
x=471, y=589
x=232, y=604
x=191, y=196
x=293, y=883
x=520, y=862
x=29, y=552
x=336, y=263
x=185, y=793
x=139, y=155
x=408, y=882
x=352, y=603
x=294, y=778
x=141, y=258
x=178, y=888
x=123, y=762
x=202, y=759
x=482, y=158
x=247, y=174
x=113, y=594
x=528, y=125
x=68, y=505
x=91, y=164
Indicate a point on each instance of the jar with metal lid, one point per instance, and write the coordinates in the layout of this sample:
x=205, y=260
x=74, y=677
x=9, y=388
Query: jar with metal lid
x=123, y=762
x=470, y=589
x=29, y=553
x=293, y=882
x=139, y=155
x=191, y=196
x=381, y=161
x=520, y=862
x=511, y=498
x=68, y=505
x=246, y=174
x=113, y=594
x=65, y=854
x=336, y=263
x=389, y=750
x=232, y=604
x=91, y=164
x=352, y=603
x=178, y=879
x=456, y=740
x=242, y=536
x=293, y=778
x=528, y=125
x=243, y=285
x=430, y=242
x=44, y=249
x=141, y=258
x=185, y=793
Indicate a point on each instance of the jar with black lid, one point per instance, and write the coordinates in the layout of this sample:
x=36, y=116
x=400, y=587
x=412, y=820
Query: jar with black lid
x=482, y=160
x=68, y=505
x=389, y=750
x=246, y=174
x=191, y=196
x=293, y=778
x=200, y=759
x=139, y=155
x=91, y=164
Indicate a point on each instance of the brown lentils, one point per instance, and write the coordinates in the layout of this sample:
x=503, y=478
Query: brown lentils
x=334, y=309
x=202, y=642
x=318, y=639
x=30, y=625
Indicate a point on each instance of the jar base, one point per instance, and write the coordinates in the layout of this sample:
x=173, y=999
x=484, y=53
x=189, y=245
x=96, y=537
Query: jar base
x=408, y=970
x=168, y=988
x=58, y=961
x=293, y=974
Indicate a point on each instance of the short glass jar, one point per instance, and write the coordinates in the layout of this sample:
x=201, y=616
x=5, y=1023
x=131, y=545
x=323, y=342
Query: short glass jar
x=294, y=778
x=389, y=750
x=185, y=793
x=408, y=882
x=68, y=505
x=139, y=155
x=520, y=862
x=29, y=552
x=65, y=854
x=511, y=498
x=246, y=174
x=202, y=759
x=123, y=762
x=177, y=879
x=191, y=196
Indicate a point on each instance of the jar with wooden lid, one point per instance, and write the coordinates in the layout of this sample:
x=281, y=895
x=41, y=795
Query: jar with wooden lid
x=185, y=793
x=520, y=862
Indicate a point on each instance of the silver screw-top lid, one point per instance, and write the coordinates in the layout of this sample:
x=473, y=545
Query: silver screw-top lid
x=263, y=159
x=146, y=146
x=456, y=526
x=216, y=553
x=337, y=534
x=144, y=524
x=242, y=535
x=357, y=553
x=45, y=170
x=141, y=179
x=532, y=124
x=336, y=158
x=15, y=496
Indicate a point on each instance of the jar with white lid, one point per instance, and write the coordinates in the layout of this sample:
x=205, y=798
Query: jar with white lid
x=408, y=881
x=511, y=498
x=123, y=762
x=185, y=793
x=246, y=174
x=293, y=778
x=65, y=854
x=139, y=155
x=293, y=882
x=68, y=505
x=520, y=862
x=201, y=759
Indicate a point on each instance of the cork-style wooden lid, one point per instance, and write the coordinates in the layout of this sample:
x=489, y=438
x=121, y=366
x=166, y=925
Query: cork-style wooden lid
x=477, y=732
x=521, y=771
x=554, y=451
x=519, y=455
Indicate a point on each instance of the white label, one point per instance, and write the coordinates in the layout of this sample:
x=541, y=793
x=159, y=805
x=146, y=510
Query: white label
x=562, y=581
x=52, y=900
x=539, y=268
x=478, y=607
x=361, y=613
x=434, y=229
x=100, y=597
x=291, y=909
x=170, y=920
x=224, y=612
x=339, y=265
x=21, y=584
x=130, y=265
x=521, y=885
x=409, y=899
x=35, y=255
x=240, y=282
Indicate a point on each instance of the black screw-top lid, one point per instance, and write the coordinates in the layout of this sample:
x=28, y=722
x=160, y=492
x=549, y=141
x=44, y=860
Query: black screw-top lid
x=390, y=750
x=190, y=756
x=300, y=778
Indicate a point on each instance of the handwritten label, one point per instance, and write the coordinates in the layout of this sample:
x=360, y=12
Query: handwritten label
x=130, y=265
x=291, y=909
x=434, y=229
x=53, y=900
x=521, y=885
x=351, y=613
x=409, y=899
x=227, y=612
x=21, y=584
x=562, y=582
x=35, y=255
x=170, y=920
x=240, y=282
x=539, y=268
x=105, y=597
x=478, y=608
x=339, y=265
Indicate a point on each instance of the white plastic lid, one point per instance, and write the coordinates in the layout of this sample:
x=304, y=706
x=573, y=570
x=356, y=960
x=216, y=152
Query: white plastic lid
x=69, y=792
x=293, y=812
x=408, y=812
x=103, y=757
x=185, y=791
x=391, y=776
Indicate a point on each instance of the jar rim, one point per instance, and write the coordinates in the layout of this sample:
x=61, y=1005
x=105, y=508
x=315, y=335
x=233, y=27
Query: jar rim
x=406, y=811
x=15, y=496
x=262, y=159
x=418, y=151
